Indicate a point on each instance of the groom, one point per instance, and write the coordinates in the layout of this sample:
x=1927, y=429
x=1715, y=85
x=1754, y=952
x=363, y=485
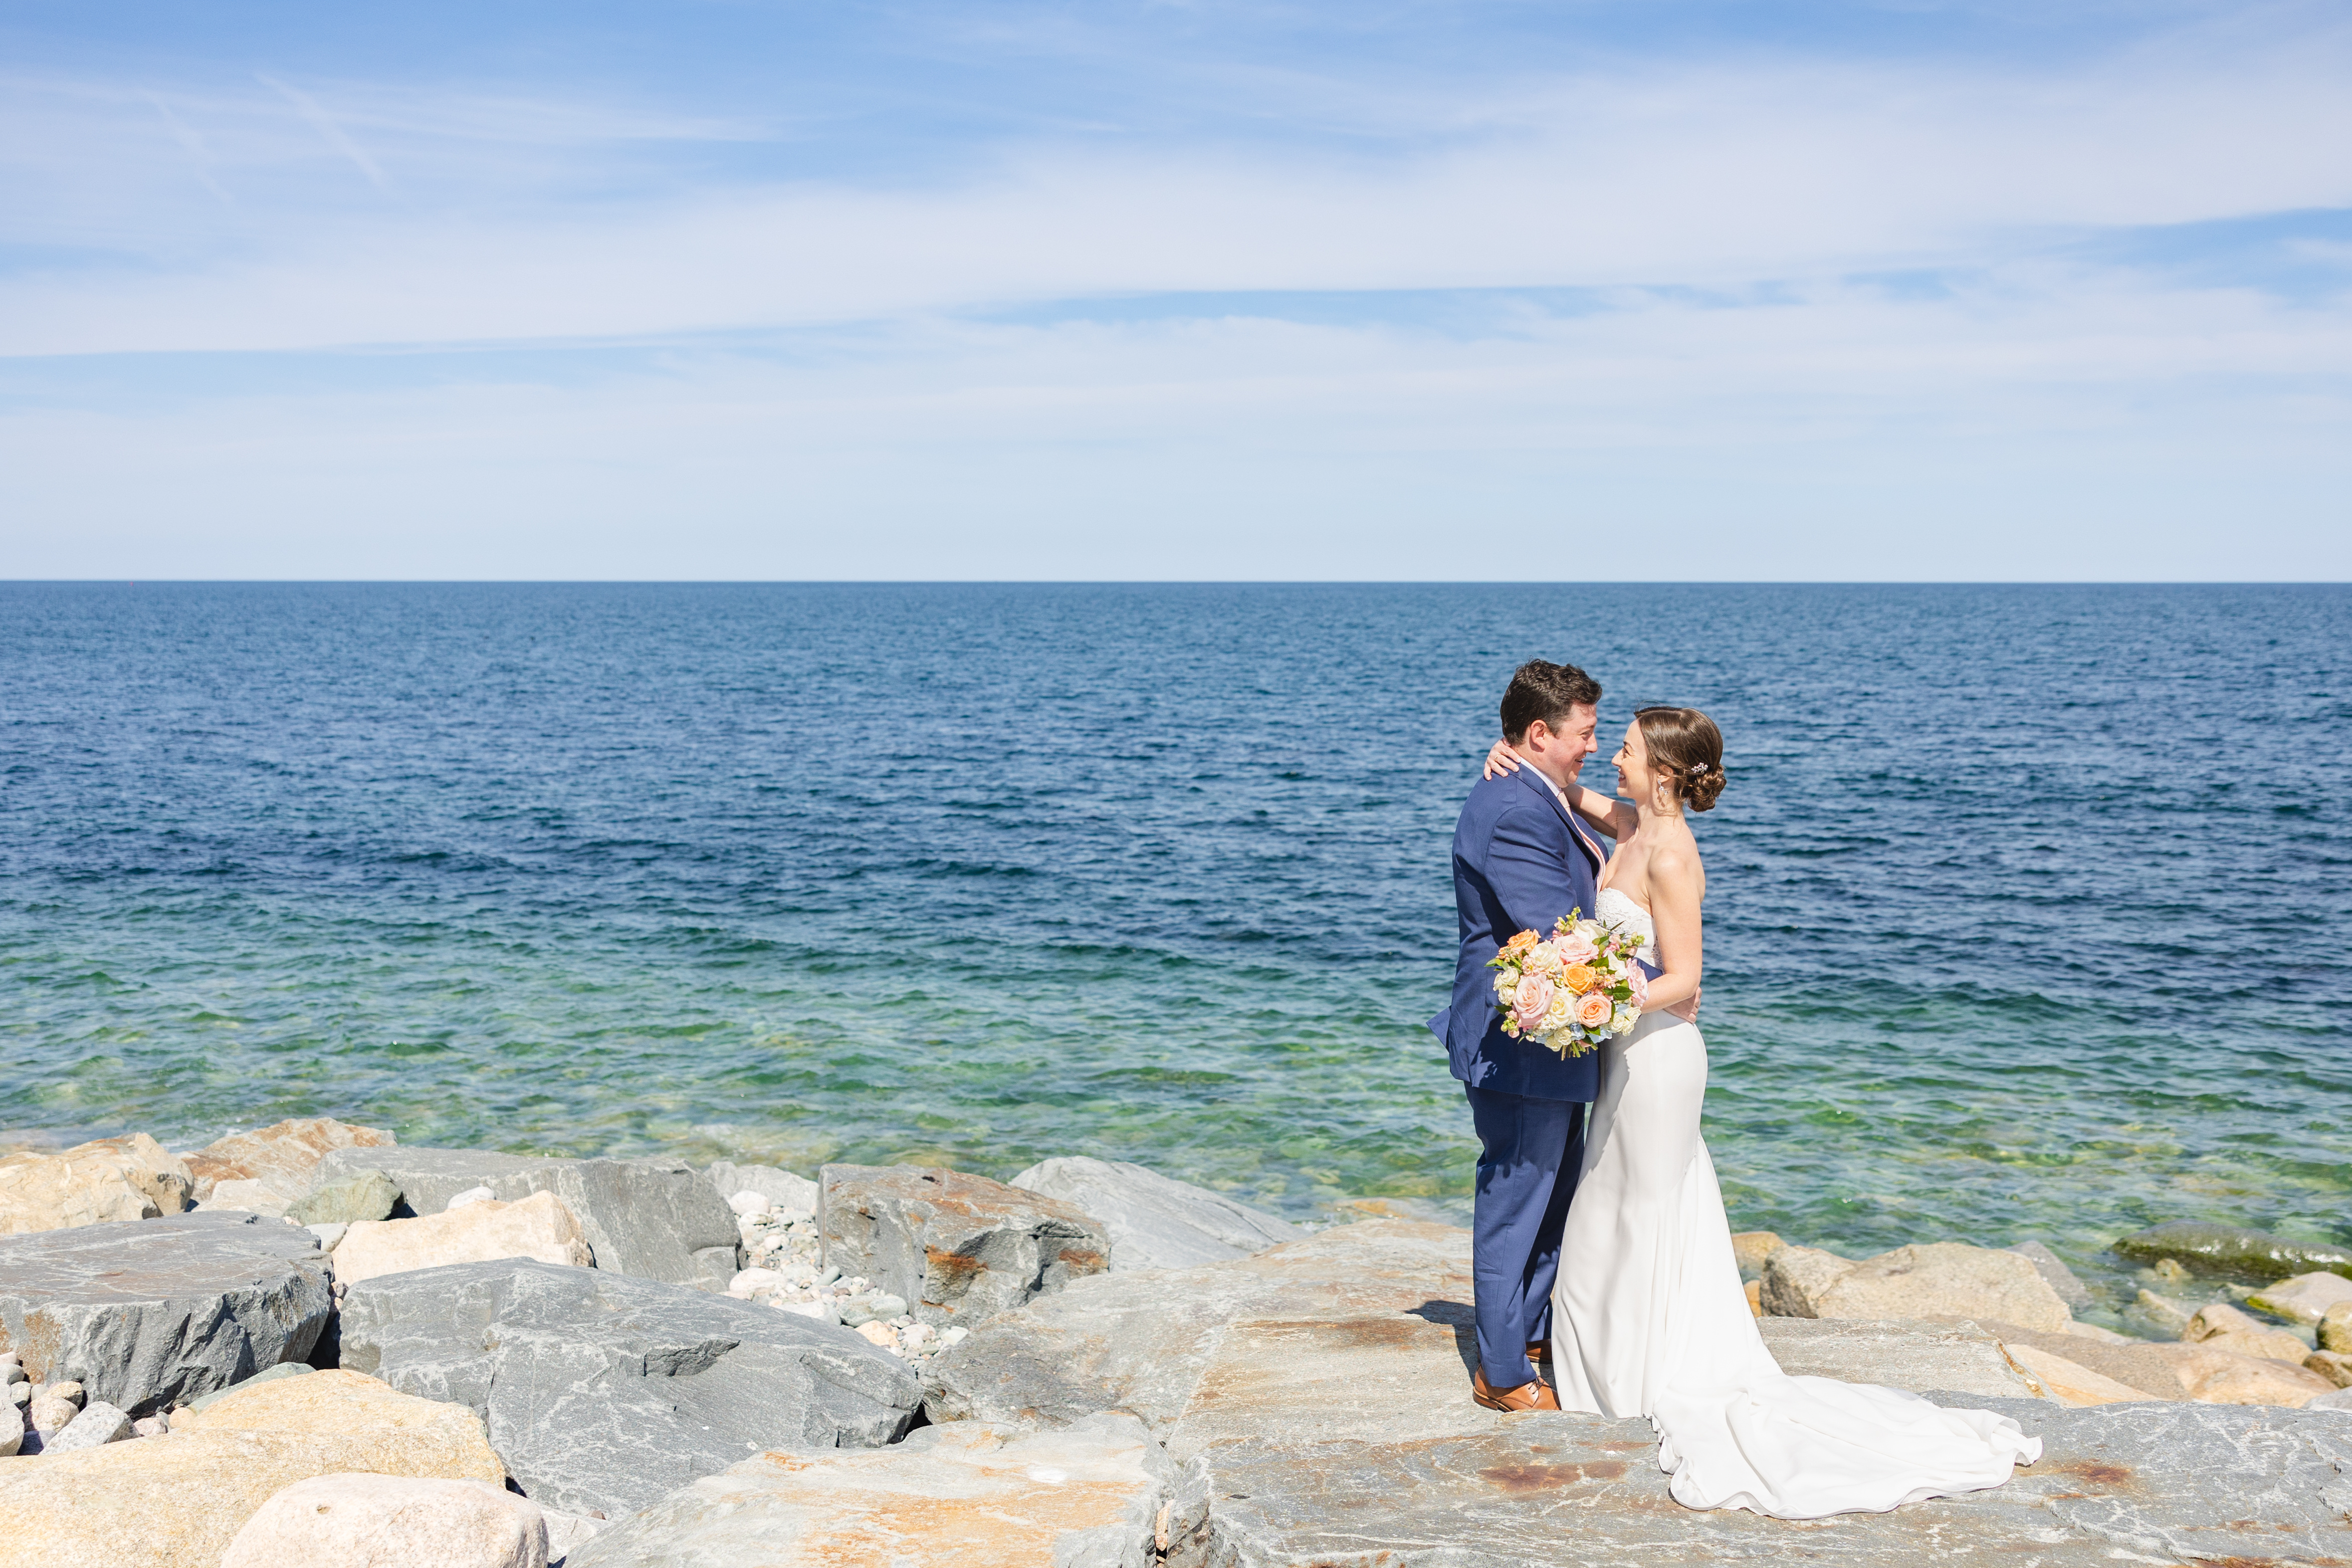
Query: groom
x=1521, y=860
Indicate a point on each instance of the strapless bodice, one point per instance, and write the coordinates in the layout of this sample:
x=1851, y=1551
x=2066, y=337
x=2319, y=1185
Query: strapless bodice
x=1612, y=908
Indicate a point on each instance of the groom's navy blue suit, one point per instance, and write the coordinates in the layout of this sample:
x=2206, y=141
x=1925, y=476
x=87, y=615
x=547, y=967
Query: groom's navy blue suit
x=1520, y=861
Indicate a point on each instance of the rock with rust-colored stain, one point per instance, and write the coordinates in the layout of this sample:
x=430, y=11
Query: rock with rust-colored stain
x=153, y=1314
x=958, y=1249
x=1143, y=1342
x=2144, y=1482
x=268, y=1169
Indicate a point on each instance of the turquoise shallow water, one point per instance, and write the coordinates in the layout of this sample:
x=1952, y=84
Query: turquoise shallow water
x=2027, y=905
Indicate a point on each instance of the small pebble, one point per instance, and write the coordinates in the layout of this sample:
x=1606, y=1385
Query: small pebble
x=881, y=1334
x=954, y=1336
x=2170, y=1270
x=151, y=1426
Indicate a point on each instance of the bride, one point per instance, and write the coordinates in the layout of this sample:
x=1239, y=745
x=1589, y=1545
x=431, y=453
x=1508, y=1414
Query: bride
x=1648, y=1315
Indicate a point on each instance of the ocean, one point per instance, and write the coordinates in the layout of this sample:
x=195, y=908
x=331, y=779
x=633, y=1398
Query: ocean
x=2027, y=906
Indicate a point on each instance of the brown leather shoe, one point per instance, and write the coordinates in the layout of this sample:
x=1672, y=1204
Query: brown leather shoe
x=1535, y=1395
x=1539, y=1352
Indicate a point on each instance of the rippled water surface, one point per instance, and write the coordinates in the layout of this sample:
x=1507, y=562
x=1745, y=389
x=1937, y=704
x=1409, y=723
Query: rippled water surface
x=2027, y=905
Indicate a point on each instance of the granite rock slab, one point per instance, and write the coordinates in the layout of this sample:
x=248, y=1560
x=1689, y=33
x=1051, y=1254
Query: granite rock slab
x=1156, y=1221
x=147, y=1315
x=1095, y=1494
x=362, y=1521
x=1922, y=1357
x=2161, y=1483
x=603, y=1392
x=266, y=1170
x=956, y=1248
x=2054, y=1273
x=369, y=1195
x=787, y=1191
x=1141, y=1341
x=656, y=1219
x=106, y=1179
x=177, y=1500
x=1936, y=1278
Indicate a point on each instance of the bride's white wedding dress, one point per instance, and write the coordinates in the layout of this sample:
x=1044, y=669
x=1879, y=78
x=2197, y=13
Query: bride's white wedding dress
x=1649, y=1319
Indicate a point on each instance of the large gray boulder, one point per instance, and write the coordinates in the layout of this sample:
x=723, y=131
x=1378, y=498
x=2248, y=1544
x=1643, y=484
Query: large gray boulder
x=1094, y=1494
x=1156, y=1221
x=656, y=1219
x=603, y=1393
x=957, y=1250
x=149, y=1314
x=2164, y=1483
x=787, y=1190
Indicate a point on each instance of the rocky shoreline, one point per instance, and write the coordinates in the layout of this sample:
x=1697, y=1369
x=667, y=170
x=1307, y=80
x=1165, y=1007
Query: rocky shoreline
x=308, y=1344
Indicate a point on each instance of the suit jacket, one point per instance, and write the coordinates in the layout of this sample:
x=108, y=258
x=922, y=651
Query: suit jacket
x=1521, y=860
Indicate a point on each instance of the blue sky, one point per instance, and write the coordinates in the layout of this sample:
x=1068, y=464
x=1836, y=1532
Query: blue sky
x=1574, y=291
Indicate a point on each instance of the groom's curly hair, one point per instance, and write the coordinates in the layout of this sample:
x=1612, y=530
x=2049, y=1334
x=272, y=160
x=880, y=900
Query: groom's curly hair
x=1541, y=689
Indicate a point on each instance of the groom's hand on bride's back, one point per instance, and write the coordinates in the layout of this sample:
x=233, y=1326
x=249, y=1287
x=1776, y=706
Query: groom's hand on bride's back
x=1687, y=1008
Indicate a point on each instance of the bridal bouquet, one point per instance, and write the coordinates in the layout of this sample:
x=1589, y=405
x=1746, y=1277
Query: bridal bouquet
x=1573, y=989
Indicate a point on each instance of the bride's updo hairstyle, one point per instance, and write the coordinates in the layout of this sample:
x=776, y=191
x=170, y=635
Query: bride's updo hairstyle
x=1685, y=746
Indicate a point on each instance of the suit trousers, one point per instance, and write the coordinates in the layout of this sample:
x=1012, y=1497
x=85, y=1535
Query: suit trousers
x=1528, y=1155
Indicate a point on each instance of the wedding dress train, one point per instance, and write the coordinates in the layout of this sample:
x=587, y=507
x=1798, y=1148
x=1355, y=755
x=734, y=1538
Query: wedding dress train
x=1649, y=1319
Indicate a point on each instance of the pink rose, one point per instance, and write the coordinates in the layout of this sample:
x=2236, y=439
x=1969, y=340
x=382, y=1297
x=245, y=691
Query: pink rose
x=1532, y=1001
x=1640, y=981
x=1575, y=948
x=1592, y=1010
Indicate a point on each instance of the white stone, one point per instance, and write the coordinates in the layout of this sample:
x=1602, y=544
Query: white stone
x=12, y=1429
x=748, y=1202
x=470, y=1196
x=98, y=1425
x=359, y=1520
x=821, y=1311
x=750, y=1281
x=329, y=1236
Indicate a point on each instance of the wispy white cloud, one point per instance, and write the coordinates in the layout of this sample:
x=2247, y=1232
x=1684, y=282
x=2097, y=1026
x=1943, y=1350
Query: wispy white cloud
x=1718, y=175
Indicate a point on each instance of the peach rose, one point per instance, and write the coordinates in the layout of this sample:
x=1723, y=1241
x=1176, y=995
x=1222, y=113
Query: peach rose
x=1592, y=1010
x=1532, y=1001
x=1519, y=944
x=1579, y=978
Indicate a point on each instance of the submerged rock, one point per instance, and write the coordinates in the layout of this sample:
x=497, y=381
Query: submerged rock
x=1095, y=1494
x=2230, y=1249
x=107, y=1179
x=656, y=1219
x=605, y=1392
x=958, y=1249
x=149, y=1315
x=1156, y=1221
x=360, y=1520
